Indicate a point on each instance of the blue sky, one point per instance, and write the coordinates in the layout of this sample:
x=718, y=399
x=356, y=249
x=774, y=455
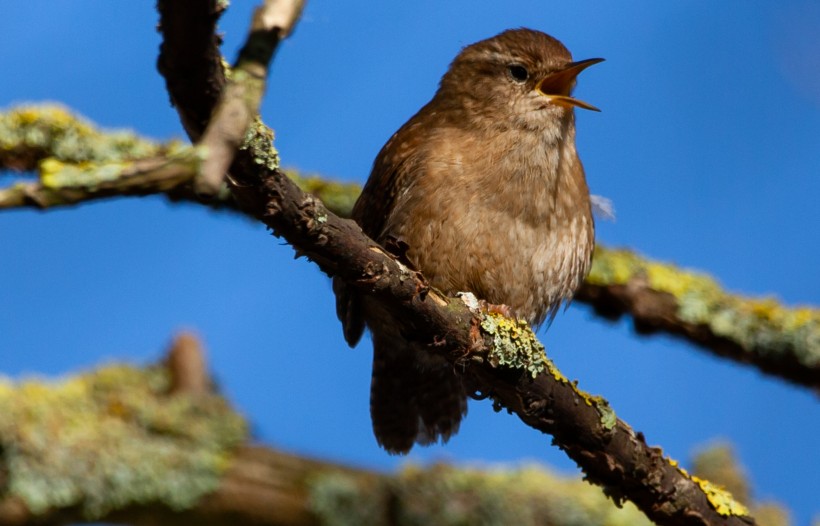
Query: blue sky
x=708, y=144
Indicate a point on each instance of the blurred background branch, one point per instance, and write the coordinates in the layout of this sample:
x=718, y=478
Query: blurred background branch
x=125, y=444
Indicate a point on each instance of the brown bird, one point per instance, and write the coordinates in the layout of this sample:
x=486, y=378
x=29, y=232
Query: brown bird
x=485, y=187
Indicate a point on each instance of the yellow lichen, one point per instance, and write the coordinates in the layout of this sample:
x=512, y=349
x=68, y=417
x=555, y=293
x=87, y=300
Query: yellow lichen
x=30, y=133
x=108, y=438
x=675, y=464
x=56, y=174
x=720, y=499
x=612, y=266
x=515, y=346
x=259, y=142
x=761, y=325
x=670, y=279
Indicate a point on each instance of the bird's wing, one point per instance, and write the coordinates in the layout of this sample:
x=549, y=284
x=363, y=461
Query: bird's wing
x=393, y=171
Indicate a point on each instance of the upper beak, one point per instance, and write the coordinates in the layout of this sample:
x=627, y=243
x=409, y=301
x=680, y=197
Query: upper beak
x=557, y=86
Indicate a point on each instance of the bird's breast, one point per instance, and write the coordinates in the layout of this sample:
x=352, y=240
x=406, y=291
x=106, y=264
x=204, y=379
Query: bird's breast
x=513, y=231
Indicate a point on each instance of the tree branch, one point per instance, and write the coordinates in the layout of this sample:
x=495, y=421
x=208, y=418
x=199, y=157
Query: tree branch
x=660, y=297
x=239, y=103
x=190, y=60
x=98, y=421
x=500, y=358
x=32, y=138
x=67, y=184
x=113, y=439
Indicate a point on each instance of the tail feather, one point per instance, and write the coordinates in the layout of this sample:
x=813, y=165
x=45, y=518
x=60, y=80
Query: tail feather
x=442, y=403
x=412, y=401
x=349, y=312
x=392, y=408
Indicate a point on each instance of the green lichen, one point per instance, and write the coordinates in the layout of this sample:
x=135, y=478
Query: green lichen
x=338, y=197
x=56, y=174
x=31, y=133
x=612, y=267
x=608, y=416
x=449, y=496
x=515, y=345
x=259, y=142
x=759, y=325
x=112, y=437
x=342, y=499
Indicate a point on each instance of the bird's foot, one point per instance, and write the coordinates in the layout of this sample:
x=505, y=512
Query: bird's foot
x=477, y=305
x=492, y=308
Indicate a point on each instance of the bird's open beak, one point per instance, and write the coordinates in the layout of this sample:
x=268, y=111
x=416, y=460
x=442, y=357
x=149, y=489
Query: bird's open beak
x=557, y=87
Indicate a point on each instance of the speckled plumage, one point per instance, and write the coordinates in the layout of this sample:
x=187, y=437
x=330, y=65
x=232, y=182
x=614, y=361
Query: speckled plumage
x=485, y=186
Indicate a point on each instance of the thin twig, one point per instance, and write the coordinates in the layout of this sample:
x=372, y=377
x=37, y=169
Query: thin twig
x=239, y=104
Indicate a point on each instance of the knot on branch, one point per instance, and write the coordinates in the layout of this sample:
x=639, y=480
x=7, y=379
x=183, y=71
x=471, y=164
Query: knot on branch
x=187, y=366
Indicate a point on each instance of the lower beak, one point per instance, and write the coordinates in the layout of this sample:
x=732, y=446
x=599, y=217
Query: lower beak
x=557, y=86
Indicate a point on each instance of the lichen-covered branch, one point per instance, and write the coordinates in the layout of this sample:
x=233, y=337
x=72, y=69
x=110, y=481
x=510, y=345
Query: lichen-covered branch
x=30, y=134
x=448, y=495
x=239, y=102
x=51, y=141
x=155, y=446
x=119, y=445
x=151, y=445
x=114, y=438
x=660, y=297
x=63, y=184
x=73, y=162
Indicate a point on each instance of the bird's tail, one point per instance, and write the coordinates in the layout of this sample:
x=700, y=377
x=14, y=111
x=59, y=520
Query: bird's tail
x=414, y=397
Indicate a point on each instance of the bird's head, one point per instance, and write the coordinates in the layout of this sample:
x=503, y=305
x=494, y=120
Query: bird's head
x=520, y=75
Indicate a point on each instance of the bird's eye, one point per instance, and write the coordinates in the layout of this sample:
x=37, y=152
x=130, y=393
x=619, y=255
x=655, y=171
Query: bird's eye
x=518, y=72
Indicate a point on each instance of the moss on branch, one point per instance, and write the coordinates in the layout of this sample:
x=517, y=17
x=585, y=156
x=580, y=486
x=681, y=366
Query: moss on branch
x=701, y=300
x=337, y=196
x=111, y=438
x=32, y=133
x=447, y=495
x=99, y=445
x=661, y=296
